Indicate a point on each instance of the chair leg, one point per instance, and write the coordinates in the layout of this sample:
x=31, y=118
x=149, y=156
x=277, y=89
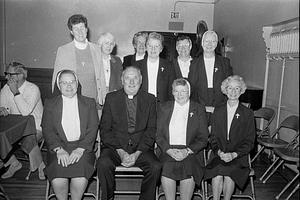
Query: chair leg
x=294, y=190
x=252, y=188
x=267, y=171
x=257, y=154
x=287, y=186
x=274, y=170
x=2, y=193
x=28, y=175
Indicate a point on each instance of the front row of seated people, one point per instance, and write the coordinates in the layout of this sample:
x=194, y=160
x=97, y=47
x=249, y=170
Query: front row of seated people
x=131, y=123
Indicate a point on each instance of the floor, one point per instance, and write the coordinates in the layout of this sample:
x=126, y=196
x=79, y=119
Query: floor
x=18, y=188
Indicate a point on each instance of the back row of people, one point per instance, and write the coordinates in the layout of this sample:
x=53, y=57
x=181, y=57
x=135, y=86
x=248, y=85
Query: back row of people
x=99, y=71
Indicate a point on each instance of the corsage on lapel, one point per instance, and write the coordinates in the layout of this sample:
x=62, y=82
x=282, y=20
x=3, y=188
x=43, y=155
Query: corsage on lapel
x=191, y=114
x=162, y=69
x=216, y=69
x=237, y=115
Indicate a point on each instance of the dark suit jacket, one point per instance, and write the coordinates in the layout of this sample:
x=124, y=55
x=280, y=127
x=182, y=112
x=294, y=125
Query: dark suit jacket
x=198, y=80
x=114, y=126
x=51, y=123
x=196, y=133
x=177, y=70
x=241, y=133
x=130, y=60
x=165, y=78
x=115, y=73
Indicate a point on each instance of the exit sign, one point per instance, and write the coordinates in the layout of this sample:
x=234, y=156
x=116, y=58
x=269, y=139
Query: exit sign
x=174, y=15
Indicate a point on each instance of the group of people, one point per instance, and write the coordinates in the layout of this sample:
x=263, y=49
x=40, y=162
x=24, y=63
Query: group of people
x=144, y=102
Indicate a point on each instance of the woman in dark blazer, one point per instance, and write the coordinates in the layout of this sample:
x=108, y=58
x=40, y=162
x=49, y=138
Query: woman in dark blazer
x=139, y=44
x=207, y=77
x=232, y=138
x=69, y=123
x=181, y=136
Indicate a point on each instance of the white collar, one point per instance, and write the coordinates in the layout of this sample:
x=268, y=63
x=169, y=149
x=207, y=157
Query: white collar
x=80, y=45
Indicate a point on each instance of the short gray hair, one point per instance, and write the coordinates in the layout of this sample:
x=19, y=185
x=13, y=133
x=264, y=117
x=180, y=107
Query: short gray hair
x=236, y=78
x=18, y=67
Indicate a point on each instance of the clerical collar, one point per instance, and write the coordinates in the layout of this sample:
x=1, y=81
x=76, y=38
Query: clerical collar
x=80, y=45
x=130, y=96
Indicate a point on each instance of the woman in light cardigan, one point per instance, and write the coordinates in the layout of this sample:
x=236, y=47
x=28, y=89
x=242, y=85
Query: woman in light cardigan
x=70, y=123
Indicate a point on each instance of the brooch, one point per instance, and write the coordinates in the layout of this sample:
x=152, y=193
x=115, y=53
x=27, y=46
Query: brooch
x=237, y=115
x=216, y=69
x=191, y=114
x=162, y=69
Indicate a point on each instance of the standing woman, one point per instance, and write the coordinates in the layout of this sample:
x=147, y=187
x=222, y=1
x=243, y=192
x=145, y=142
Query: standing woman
x=207, y=77
x=184, y=62
x=112, y=65
x=232, y=138
x=181, y=136
x=139, y=44
x=69, y=123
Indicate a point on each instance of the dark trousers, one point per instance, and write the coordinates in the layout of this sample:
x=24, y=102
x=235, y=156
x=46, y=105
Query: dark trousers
x=147, y=161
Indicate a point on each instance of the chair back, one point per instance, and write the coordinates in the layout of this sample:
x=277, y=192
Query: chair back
x=291, y=122
x=266, y=114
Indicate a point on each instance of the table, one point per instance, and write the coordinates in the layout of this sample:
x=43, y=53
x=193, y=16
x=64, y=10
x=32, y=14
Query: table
x=12, y=129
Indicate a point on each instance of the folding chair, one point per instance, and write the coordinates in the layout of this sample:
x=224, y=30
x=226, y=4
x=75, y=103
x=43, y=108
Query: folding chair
x=292, y=123
x=266, y=115
x=128, y=172
x=251, y=177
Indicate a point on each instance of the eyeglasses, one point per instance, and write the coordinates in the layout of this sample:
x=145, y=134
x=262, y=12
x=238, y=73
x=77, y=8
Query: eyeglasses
x=67, y=82
x=10, y=74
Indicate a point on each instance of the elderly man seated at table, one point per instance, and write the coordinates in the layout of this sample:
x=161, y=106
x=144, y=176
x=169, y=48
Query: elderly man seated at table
x=22, y=97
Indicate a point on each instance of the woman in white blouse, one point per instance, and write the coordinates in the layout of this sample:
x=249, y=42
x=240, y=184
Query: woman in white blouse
x=70, y=123
x=181, y=136
x=232, y=138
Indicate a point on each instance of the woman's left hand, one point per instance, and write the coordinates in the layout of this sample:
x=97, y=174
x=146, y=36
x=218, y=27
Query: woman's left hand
x=75, y=155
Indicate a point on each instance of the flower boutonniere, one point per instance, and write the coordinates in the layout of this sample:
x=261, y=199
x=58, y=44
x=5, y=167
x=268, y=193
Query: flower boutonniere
x=162, y=69
x=237, y=115
x=191, y=114
x=216, y=69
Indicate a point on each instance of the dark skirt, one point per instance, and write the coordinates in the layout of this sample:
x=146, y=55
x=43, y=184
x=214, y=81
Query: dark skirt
x=180, y=170
x=83, y=168
x=235, y=170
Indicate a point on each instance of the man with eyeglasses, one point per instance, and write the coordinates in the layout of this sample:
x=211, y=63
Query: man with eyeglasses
x=21, y=97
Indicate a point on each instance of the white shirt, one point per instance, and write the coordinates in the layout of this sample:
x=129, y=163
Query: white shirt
x=70, y=120
x=184, y=67
x=80, y=45
x=209, y=68
x=28, y=102
x=230, y=115
x=106, y=67
x=178, y=124
x=137, y=57
x=152, y=68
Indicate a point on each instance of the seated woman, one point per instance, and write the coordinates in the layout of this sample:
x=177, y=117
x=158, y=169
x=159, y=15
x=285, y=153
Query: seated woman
x=70, y=123
x=181, y=136
x=232, y=138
